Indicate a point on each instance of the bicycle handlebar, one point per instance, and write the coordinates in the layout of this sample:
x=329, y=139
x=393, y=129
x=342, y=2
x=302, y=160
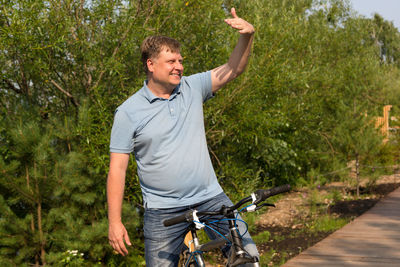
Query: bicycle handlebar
x=187, y=217
x=263, y=194
x=260, y=196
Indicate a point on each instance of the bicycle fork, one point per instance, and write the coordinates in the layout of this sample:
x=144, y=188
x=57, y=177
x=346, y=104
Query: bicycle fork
x=238, y=255
x=192, y=242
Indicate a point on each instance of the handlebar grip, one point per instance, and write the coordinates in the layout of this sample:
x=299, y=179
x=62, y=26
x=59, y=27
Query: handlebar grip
x=263, y=194
x=188, y=216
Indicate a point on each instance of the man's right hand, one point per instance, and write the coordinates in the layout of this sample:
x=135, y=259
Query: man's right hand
x=118, y=236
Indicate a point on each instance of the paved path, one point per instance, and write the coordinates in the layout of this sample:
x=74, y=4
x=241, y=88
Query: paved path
x=373, y=239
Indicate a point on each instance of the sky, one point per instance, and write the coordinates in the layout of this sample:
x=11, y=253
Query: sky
x=388, y=9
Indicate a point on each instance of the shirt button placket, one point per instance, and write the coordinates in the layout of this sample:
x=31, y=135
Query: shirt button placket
x=171, y=108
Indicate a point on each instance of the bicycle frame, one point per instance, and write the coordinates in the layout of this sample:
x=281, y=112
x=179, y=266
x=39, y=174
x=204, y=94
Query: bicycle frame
x=237, y=255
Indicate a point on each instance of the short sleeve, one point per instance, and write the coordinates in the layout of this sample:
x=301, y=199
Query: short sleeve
x=202, y=81
x=122, y=133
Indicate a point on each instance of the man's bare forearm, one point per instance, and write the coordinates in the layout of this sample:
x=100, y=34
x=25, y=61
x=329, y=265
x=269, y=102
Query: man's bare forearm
x=240, y=55
x=117, y=234
x=115, y=194
x=116, y=185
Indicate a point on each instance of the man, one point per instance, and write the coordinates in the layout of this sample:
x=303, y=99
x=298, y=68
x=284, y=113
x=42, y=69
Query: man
x=163, y=125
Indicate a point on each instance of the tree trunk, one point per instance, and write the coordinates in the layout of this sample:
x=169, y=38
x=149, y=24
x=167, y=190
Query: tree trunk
x=39, y=221
x=357, y=176
x=41, y=237
x=33, y=218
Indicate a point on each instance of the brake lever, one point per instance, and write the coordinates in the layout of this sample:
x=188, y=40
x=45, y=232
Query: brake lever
x=265, y=205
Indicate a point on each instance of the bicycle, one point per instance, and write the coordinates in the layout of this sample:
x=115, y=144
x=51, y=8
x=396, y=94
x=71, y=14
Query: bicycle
x=237, y=254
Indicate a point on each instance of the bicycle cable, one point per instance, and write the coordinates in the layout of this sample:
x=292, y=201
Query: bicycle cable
x=209, y=227
x=236, y=220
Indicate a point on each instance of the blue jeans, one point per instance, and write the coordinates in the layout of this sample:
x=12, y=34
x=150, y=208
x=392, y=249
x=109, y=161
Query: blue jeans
x=163, y=244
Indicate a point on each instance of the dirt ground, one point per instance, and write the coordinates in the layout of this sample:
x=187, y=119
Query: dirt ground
x=288, y=222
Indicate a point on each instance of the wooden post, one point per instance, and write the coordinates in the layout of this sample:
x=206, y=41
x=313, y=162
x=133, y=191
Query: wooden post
x=385, y=128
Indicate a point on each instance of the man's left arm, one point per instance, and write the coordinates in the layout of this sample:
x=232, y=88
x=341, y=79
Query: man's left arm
x=240, y=55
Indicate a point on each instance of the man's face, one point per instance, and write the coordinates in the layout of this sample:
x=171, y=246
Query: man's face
x=166, y=69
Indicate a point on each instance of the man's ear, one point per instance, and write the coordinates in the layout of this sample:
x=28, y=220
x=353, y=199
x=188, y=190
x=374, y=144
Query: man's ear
x=150, y=64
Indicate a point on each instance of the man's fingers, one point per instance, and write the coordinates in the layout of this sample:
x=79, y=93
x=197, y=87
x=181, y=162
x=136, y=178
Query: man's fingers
x=116, y=248
x=233, y=12
x=127, y=240
x=239, y=24
x=118, y=236
x=235, y=23
x=122, y=248
x=119, y=246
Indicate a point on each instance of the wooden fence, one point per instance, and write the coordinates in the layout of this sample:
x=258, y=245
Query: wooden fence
x=384, y=123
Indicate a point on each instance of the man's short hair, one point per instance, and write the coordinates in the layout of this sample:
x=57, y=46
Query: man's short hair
x=153, y=45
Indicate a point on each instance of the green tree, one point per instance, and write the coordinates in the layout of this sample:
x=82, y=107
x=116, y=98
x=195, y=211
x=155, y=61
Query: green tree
x=356, y=138
x=67, y=65
x=49, y=202
x=387, y=37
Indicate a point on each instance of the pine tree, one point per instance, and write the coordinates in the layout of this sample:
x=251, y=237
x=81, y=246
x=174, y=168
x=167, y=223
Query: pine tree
x=356, y=137
x=50, y=206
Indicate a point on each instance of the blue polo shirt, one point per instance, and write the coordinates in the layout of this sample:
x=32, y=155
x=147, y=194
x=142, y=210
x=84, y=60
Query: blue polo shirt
x=168, y=139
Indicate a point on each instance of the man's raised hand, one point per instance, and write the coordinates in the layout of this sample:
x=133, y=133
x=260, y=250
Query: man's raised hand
x=240, y=24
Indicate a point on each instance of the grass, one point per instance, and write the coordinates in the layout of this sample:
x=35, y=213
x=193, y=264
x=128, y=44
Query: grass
x=261, y=237
x=325, y=223
x=335, y=195
x=265, y=258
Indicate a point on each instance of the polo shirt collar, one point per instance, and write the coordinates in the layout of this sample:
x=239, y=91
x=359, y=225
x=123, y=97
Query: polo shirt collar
x=152, y=98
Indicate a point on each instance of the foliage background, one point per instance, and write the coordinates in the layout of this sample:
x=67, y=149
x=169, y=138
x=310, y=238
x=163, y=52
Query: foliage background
x=318, y=75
